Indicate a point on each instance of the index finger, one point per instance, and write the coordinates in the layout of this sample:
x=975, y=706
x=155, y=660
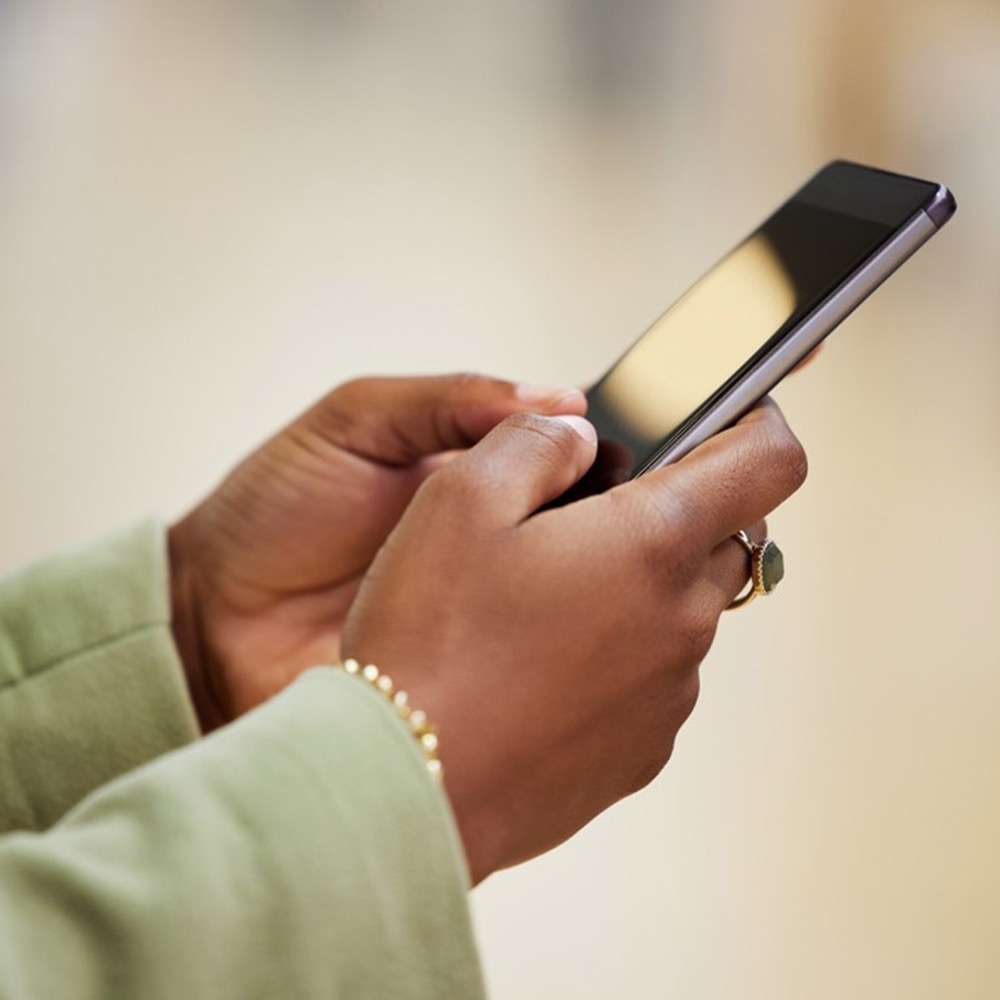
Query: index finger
x=734, y=479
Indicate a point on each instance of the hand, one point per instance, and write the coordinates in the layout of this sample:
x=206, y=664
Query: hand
x=264, y=570
x=558, y=653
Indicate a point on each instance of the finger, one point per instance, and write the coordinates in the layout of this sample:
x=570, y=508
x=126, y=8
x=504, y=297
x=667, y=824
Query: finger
x=439, y=460
x=519, y=466
x=808, y=359
x=398, y=420
x=735, y=478
x=728, y=570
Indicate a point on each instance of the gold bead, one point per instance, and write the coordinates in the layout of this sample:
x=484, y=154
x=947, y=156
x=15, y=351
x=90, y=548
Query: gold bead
x=416, y=719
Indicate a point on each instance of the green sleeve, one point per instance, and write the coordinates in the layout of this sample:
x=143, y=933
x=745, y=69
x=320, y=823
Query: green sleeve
x=300, y=852
x=90, y=683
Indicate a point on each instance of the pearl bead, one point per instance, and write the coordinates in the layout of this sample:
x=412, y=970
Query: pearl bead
x=416, y=719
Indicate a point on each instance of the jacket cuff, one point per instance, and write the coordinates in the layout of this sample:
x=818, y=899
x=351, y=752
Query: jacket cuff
x=90, y=682
x=341, y=805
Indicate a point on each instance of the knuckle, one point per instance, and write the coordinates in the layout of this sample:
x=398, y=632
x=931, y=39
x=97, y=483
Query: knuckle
x=783, y=452
x=546, y=435
x=798, y=462
x=671, y=701
x=346, y=407
x=790, y=457
x=687, y=696
x=333, y=417
x=466, y=381
x=642, y=776
x=466, y=385
x=355, y=390
x=697, y=633
x=431, y=491
x=454, y=485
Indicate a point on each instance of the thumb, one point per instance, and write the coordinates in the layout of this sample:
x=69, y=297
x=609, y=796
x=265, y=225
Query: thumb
x=519, y=466
x=396, y=421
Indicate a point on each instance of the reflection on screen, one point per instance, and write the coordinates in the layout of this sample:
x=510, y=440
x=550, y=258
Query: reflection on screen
x=729, y=320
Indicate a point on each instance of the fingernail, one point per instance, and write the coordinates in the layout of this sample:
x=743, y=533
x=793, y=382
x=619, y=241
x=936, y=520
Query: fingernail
x=582, y=427
x=546, y=395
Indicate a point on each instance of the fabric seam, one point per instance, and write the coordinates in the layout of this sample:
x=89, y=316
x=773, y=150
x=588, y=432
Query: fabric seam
x=64, y=658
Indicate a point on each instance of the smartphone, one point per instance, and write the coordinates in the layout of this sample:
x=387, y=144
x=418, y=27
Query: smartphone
x=756, y=314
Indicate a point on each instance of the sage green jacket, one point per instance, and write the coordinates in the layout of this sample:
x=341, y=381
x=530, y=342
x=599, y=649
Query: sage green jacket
x=302, y=851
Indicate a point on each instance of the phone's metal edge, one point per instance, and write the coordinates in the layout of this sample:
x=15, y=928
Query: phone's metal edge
x=812, y=330
x=942, y=206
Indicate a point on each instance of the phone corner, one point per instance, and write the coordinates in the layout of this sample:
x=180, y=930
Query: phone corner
x=942, y=206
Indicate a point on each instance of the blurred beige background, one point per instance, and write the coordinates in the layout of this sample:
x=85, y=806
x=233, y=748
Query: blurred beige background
x=214, y=211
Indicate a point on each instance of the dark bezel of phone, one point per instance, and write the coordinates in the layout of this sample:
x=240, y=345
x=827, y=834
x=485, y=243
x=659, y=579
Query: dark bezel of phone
x=850, y=189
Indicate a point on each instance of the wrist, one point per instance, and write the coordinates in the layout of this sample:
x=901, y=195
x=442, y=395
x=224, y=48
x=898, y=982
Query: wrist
x=186, y=625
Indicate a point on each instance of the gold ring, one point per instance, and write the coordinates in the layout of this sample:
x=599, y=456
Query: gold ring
x=767, y=567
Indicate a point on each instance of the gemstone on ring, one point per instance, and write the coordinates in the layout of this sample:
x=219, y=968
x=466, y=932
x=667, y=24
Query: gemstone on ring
x=767, y=567
x=770, y=567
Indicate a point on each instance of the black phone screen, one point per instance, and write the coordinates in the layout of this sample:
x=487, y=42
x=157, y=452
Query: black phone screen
x=741, y=309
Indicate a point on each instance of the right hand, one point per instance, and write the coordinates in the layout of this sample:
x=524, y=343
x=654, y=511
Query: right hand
x=558, y=654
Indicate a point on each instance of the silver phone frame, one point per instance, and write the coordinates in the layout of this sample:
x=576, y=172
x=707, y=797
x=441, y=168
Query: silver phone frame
x=832, y=311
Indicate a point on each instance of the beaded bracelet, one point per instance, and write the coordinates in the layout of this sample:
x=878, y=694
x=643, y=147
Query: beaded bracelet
x=416, y=720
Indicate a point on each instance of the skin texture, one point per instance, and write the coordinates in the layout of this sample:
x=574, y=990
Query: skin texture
x=264, y=570
x=557, y=652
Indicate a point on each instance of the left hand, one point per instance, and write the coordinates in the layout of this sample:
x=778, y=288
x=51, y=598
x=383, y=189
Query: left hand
x=265, y=569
